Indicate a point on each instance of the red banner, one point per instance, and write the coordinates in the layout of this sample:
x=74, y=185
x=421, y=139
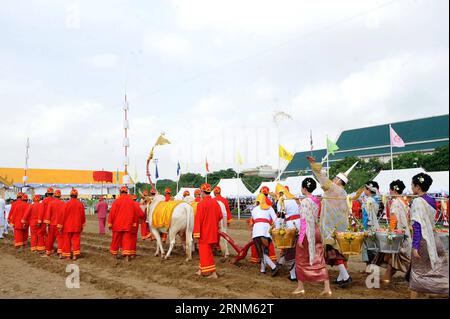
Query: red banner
x=103, y=176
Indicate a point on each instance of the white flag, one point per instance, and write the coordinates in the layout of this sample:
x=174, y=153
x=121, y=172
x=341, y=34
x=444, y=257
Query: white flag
x=396, y=140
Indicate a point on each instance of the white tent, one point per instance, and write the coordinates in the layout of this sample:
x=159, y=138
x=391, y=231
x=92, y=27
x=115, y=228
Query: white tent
x=384, y=178
x=232, y=187
x=179, y=196
x=295, y=185
x=440, y=182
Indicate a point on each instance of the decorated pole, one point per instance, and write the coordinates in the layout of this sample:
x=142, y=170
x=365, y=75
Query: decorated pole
x=126, y=142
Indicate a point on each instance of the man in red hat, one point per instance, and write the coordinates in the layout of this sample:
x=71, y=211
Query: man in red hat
x=272, y=254
x=168, y=194
x=70, y=225
x=186, y=195
x=198, y=195
x=15, y=219
x=102, y=211
x=218, y=197
x=31, y=218
x=54, y=210
x=144, y=205
x=266, y=191
x=206, y=231
x=43, y=208
x=123, y=221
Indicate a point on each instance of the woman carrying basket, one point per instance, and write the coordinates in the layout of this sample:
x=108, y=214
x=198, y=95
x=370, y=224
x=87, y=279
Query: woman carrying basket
x=398, y=221
x=309, y=255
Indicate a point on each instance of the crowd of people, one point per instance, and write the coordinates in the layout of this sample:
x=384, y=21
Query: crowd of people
x=422, y=257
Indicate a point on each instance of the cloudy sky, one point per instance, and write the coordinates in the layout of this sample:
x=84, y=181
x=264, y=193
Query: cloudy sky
x=211, y=75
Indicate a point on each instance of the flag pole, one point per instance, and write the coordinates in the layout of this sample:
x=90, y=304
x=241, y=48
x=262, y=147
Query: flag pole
x=328, y=161
x=392, y=154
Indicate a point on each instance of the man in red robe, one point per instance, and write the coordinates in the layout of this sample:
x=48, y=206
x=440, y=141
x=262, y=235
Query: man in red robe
x=42, y=209
x=168, y=194
x=102, y=211
x=53, y=212
x=15, y=219
x=218, y=197
x=145, y=229
x=71, y=224
x=31, y=218
x=123, y=221
x=206, y=231
x=198, y=195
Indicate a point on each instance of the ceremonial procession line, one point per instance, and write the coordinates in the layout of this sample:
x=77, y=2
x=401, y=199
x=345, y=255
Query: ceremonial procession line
x=310, y=233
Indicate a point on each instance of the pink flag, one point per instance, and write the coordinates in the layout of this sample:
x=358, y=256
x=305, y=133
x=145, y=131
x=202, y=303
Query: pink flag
x=396, y=140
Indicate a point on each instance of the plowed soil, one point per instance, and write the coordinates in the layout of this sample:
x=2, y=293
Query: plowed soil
x=28, y=275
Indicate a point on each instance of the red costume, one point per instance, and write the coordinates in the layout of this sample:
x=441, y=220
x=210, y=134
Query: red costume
x=102, y=211
x=206, y=230
x=145, y=229
x=54, y=211
x=15, y=218
x=31, y=218
x=356, y=209
x=123, y=222
x=255, y=257
x=71, y=224
x=219, y=197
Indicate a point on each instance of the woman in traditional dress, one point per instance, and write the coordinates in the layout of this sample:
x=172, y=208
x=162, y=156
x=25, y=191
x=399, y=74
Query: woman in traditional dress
x=263, y=216
x=310, y=254
x=398, y=221
x=370, y=209
x=334, y=216
x=429, y=265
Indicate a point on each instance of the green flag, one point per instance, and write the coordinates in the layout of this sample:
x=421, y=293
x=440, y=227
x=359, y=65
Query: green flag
x=331, y=146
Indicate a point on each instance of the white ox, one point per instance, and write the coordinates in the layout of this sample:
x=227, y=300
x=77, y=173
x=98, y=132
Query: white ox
x=182, y=222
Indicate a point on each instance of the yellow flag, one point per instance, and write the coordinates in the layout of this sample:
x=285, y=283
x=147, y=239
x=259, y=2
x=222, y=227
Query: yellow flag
x=239, y=158
x=162, y=140
x=285, y=154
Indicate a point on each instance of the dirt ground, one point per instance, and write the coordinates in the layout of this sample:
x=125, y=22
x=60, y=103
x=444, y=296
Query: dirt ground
x=28, y=275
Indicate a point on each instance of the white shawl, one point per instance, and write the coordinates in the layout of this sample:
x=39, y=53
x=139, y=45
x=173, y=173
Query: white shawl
x=309, y=210
x=424, y=214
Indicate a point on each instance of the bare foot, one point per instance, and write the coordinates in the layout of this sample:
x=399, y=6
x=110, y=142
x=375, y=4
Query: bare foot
x=326, y=293
x=199, y=273
x=212, y=276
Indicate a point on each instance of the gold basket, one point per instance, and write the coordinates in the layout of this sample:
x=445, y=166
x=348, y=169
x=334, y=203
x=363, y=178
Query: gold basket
x=284, y=238
x=350, y=243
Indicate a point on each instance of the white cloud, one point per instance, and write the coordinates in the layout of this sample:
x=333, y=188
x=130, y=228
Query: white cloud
x=106, y=60
x=265, y=16
x=167, y=45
